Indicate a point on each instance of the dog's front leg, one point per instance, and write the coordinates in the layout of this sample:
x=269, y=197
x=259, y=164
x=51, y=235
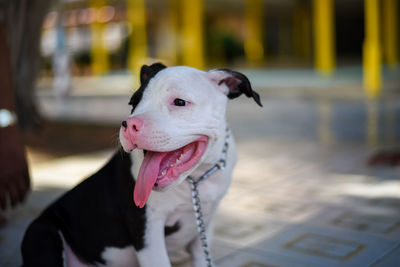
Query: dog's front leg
x=154, y=252
x=196, y=247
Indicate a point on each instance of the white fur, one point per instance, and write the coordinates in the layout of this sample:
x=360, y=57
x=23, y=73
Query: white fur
x=169, y=128
x=120, y=257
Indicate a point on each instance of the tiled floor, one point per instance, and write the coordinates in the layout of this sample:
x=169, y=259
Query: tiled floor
x=308, y=215
x=283, y=209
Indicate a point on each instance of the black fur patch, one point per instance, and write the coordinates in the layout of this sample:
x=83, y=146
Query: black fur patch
x=169, y=230
x=241, y=87
x=96, y=214
x=146, y=73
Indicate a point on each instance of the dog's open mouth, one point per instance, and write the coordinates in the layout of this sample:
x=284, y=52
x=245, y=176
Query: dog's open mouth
x=160, y=169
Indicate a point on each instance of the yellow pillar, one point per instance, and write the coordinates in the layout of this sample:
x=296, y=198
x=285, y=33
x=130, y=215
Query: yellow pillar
x=136, y=17
x=254, y=44
x=390, y=32
x=173, y=6
x=192, y=33
x=167, y=50
x=301, y=30
x=324, y=36
x=100, y=62
x=372, y=50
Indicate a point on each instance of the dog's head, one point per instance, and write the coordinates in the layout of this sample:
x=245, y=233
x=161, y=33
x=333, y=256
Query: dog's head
x=178, y=113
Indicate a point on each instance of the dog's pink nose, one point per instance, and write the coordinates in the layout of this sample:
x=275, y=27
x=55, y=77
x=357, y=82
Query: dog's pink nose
x=132, y=125
x=132, y=130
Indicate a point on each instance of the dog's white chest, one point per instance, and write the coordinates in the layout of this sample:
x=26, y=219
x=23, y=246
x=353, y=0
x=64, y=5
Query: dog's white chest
x=187, y=230
x=180, y=218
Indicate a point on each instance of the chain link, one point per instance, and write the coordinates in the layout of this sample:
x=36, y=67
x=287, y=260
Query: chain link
x=201, y=228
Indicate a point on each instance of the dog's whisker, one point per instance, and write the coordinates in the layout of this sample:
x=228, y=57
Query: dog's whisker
x=116, y=144
x=115, y=140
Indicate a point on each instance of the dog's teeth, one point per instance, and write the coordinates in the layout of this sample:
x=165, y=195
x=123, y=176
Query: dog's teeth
x=162, y=174
x=172, y=165
x=178, y=160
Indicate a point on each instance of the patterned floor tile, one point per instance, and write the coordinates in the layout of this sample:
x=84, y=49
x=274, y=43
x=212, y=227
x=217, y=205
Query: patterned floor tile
x=254, y=258
x=222, y=249
x=326, y=247
x=284, y=208
x=386, y=202
x=243, y=229
x=369, y=222
x=389, y=259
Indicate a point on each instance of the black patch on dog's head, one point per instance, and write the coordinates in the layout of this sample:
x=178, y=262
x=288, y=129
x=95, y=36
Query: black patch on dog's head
x=146, y=73
x=238, y=84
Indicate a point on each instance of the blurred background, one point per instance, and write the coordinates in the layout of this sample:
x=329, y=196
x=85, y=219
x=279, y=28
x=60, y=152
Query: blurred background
x=317, y=182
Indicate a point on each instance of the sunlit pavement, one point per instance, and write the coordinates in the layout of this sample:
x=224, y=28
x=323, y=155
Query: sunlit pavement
x=302, y=193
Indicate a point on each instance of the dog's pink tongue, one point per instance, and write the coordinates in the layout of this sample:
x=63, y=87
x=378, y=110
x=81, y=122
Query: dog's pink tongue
x=147, y=177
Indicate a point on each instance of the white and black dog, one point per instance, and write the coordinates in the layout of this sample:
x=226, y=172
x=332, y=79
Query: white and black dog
x=138, y=208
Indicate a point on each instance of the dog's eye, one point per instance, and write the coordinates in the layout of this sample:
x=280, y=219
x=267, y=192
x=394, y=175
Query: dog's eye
x=180, y=102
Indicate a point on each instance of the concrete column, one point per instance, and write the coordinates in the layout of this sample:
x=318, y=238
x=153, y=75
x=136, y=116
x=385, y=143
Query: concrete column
x=324, y=36
x=254, y=46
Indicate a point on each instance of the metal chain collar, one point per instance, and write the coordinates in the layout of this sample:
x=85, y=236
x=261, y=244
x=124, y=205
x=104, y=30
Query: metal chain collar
x=201, y=229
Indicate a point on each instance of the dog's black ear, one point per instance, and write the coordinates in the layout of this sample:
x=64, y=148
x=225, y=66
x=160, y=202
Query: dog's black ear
x=236, y=82
x=146, y=73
